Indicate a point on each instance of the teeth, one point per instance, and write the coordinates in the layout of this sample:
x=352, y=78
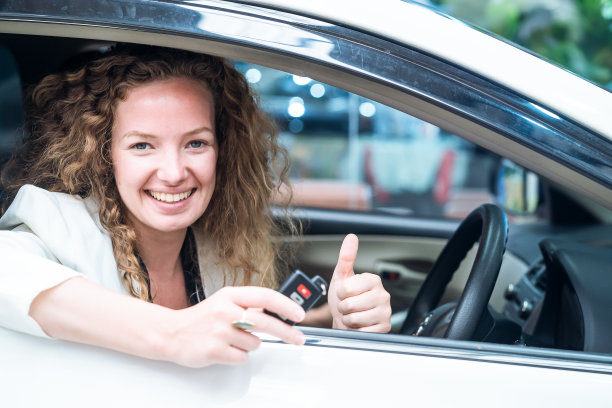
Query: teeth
x=169, y=198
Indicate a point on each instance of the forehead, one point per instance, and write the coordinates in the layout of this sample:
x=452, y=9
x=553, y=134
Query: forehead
x=172, y=106
x=179, y=85
x=163, y=96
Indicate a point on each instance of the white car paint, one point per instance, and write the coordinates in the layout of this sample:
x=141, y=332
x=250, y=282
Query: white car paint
x=37, y=372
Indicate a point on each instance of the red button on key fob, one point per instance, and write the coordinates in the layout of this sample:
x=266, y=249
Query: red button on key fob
x=303, y=291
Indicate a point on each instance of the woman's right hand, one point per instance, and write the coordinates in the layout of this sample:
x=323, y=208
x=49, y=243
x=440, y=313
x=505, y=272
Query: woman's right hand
x=204, y=334
x=85, y=312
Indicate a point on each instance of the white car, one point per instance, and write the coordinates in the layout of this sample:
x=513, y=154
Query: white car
x=536, y=331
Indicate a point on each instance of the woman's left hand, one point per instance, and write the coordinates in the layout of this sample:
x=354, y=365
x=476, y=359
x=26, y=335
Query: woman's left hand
x=357, y=302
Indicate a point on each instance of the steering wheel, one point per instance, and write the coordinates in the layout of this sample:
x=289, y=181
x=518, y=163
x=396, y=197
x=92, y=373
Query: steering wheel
x=489, y=223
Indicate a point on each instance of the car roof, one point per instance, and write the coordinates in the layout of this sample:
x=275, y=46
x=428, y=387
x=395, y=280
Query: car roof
x=430, y=31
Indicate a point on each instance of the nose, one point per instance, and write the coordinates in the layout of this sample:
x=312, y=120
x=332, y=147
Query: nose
x=171, y=169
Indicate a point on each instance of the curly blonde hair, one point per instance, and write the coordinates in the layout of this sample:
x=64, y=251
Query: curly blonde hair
x=67, y=149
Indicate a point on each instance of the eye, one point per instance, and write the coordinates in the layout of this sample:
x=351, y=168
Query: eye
x=141, y=146
x=196, y=144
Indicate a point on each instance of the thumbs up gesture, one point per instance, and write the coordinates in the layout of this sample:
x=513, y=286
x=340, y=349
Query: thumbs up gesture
x=357, y=302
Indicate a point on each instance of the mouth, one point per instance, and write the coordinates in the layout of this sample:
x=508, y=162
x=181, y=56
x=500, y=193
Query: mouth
x=170, y=197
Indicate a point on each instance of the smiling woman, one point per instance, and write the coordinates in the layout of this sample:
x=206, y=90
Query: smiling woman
x=165, y=173
x=73, y=115
x=148, y=172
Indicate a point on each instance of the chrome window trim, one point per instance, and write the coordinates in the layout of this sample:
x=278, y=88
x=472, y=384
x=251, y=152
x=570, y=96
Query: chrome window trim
x=421, y=85
x=463, y=350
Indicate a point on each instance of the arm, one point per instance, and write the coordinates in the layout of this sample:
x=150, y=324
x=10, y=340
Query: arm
x=27, y=269
x=201, y=335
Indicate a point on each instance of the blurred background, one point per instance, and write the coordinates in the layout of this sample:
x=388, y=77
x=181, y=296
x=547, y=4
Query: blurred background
x=574, y=34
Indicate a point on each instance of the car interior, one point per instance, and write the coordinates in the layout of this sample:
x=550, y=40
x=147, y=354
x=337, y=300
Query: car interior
x=554, y=279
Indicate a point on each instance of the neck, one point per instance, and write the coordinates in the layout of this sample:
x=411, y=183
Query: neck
x=161, y=252
x=161, y=255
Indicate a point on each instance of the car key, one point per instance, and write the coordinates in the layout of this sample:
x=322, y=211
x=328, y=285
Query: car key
x=302, y=290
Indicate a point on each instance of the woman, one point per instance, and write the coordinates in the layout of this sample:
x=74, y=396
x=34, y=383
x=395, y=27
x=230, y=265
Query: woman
x=147, y=172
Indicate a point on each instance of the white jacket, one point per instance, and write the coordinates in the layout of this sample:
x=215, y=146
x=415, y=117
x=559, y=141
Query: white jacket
x=47, y=238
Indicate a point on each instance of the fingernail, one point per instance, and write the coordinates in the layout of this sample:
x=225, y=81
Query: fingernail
x=300, y=339
x=299, y=315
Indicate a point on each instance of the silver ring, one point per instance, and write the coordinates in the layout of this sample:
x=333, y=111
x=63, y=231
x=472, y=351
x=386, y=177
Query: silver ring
x=243, y=323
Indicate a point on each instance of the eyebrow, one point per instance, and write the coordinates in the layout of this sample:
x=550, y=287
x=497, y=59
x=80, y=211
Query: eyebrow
x=202, y=129
x=136, y=133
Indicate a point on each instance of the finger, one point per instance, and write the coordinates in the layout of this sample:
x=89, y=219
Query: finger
x=244, y=340
x=358, y=284
x=232, y=355
x=364, y=301
x=366, y=318
x=264, y=298
x=377, y=328
x=265, y=323
x=346, y=257
x=219, y=351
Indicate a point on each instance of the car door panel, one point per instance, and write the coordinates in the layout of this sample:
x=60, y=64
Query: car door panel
x=401, y=254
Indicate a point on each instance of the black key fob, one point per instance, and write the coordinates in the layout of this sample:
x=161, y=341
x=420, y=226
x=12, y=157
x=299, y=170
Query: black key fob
x=302, y=290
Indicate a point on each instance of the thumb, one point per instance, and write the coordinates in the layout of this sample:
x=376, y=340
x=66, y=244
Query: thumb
x=346, y=258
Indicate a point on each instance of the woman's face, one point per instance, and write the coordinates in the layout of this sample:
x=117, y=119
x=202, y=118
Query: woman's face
x=164, y=153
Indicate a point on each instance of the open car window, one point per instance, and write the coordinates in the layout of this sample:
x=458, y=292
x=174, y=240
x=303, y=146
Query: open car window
x=349, y=152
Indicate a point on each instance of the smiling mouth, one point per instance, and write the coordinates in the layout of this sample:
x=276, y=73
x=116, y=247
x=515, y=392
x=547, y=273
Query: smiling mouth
x=169, y=197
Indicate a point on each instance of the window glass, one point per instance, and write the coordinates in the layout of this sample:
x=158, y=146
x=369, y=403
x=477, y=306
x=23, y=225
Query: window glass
x=350, y=152
x=11, y=105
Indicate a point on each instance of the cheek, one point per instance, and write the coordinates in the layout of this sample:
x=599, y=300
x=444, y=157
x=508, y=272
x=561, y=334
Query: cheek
x=120, y=171
x=209, y=170
x=118, y=165
x=127, y=173
x=212, y=172
x=117, y=171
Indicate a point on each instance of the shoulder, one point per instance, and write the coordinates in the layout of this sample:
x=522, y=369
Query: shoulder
x=63, y=229
x=41, y=209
